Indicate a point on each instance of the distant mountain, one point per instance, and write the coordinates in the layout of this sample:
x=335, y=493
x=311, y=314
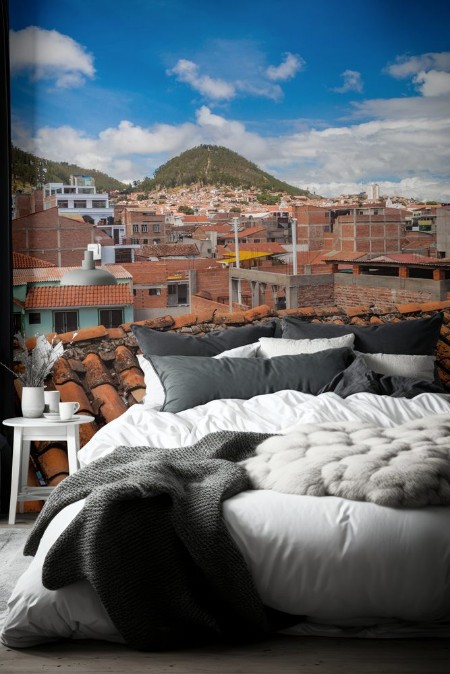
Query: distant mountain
x=27, y=170
x=214, y=165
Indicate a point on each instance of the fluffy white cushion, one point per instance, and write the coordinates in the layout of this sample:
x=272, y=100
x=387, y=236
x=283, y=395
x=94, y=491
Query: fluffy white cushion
x=271, y=346
x=418, y=367
x=154, y=395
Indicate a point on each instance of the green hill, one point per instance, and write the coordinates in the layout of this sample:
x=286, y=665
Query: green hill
x=214, y=165
x=27, y=170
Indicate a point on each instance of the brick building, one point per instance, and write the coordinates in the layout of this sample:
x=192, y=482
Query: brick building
x=369, y=229
x=142, y=225
x=47, y=235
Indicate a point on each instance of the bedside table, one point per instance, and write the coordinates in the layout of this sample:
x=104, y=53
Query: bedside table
x=26, y=430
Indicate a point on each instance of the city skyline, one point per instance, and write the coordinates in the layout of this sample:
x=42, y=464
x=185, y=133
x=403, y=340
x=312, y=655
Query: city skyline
x=331, y=97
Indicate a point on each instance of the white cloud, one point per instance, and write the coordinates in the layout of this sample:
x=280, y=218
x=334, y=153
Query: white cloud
x=352, y=82
x=287, y=69
x=188, y=72
x=429, y=72
x=433, y=83
x=406, y=153
x=262, y=89
x=405, y=66
x=47, y=54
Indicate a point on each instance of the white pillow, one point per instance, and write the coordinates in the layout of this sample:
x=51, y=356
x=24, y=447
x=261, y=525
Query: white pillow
x=418, y=367
x=154, y=394
x=273, y=346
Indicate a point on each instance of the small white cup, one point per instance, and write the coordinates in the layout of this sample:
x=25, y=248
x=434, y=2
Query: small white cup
x=67, y=410
x=51, y=399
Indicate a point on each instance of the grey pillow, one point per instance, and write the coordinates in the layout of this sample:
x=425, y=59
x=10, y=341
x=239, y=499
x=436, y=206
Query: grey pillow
x=188, y=382
x=417, y=337
x=161, y=343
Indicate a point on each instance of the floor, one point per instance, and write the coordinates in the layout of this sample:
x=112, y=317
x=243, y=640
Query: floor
x=279, y=655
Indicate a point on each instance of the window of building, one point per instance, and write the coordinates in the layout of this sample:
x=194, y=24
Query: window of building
x=79, y=203
x=98, y=203
x=156, y=229
x=144, y=228
x=111, y=318
x=144, y=241
x=154, y=291
x=63, y=203
x=177, y=294
x=135, y=229
x=34, y=318
x=17, y=323
x=134, y=241
x=134, y=292
x=65, y=321
x=156, y=241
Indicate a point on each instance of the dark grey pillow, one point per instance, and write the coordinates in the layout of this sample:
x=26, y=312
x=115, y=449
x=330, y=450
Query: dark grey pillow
x=417, y=337
x=358, y=378
x=188, y=382
x=158, y=343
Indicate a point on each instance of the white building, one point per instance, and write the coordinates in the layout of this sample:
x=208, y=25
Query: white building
x=374, y=192
x=79, y=198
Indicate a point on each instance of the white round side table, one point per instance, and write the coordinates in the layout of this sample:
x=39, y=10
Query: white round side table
x=26, y=430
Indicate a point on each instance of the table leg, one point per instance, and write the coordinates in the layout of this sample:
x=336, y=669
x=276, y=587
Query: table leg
x=73, y=445
x=24, y=463
x=15, y=473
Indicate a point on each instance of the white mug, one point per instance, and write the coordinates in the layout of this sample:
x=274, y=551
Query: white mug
x=67, y=410
x=51, y=400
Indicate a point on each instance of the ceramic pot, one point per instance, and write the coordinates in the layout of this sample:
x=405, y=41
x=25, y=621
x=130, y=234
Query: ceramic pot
x=33, y=402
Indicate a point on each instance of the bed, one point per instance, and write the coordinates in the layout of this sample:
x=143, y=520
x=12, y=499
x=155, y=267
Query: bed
x=337, y=566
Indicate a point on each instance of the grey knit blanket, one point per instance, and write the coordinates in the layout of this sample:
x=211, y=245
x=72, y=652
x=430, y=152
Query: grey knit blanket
x=152, y=542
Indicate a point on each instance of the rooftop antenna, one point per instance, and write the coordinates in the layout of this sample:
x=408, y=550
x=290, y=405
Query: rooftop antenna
x=294, y=245
x=238, y=262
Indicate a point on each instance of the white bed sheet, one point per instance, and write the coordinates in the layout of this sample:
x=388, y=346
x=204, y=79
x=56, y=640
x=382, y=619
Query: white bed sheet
x=270, y=413
x=352, y=568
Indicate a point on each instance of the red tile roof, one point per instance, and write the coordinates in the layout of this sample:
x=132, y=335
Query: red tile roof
x=195, y=218
x=78, y=296
x=264, y=247
x=22, y=261
x=21, y=276
x=168, y=249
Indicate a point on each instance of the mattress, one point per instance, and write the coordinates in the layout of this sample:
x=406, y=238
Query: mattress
x=349, y=567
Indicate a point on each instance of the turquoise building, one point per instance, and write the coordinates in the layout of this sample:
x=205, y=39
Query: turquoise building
x=65, y=299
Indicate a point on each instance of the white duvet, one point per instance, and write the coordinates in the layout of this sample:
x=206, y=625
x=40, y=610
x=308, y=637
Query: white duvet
x=346, y=565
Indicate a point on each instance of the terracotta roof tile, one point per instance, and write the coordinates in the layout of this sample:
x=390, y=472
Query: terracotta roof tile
x=185, y=321
x=110, y=403
x=81, y=335
x=96, y=372
x=116, y=333
x=63, y=372
x=257, y=313
x=358, y=311
x=79, y=296
x=53, y=464
x=22, y=261
x=169, y=249
x=73, y=392
x=233, y=318
x=38, y=275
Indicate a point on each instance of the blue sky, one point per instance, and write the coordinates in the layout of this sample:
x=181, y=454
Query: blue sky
x=331, y=95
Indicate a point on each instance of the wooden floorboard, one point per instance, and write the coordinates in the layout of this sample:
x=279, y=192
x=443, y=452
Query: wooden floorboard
x=279, y=655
